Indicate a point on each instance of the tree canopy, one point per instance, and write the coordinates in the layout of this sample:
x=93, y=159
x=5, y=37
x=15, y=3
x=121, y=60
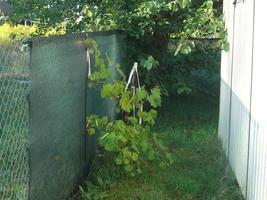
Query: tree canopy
x=154, y=26
x=161, y=19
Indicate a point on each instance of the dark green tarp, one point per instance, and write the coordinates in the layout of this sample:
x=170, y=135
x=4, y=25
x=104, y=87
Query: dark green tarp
x=112, y=44
x=57, y=116
x=60, y=99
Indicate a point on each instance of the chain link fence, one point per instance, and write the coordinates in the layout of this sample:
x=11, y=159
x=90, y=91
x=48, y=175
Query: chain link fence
x=14, y=121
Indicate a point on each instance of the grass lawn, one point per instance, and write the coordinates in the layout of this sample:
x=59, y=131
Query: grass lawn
x=188, y=125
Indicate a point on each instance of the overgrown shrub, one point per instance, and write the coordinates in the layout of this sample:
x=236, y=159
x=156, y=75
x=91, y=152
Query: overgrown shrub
x=130, y=139
x=9, y=32
x=196, y=71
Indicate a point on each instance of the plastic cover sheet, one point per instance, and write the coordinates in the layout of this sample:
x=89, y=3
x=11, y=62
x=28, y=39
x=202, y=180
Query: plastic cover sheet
x=60, y=152
x=111, y=44
x=57, y=116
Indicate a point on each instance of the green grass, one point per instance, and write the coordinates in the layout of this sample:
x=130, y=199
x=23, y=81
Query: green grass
x=188, y=125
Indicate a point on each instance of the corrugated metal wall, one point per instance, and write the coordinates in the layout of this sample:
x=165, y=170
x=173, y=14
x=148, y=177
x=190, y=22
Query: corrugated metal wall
x=243, y=98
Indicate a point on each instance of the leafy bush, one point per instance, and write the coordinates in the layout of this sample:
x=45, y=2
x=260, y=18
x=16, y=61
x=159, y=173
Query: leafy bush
x=159, y=22
x=130, y=139
x=206, y=81
x=197, y=71
x=9, y=32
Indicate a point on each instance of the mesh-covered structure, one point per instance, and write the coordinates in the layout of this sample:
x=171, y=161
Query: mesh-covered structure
x=57, y=121
x=44, y=150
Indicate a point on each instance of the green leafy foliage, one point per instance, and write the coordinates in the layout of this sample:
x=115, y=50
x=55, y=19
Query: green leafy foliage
x=202, y=23
x=158, y=19
x=183, y=88
x=154, y=99
x=131, y=143
x=9, y=32
x=149, y=63
x=188, y=125
x=151, y=26
x=183, y=74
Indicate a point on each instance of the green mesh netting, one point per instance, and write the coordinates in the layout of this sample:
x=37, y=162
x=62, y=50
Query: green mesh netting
x=44, y=150
x=111, y=44
x=57, y=109
x=14, y=121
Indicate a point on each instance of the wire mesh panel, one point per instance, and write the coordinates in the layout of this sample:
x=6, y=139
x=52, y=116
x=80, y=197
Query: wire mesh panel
x=14, y=121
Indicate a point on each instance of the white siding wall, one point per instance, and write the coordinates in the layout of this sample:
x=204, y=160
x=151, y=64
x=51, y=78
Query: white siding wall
x=243, y=108
x=226, y=80
x=241, y=91
x=257, y=173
